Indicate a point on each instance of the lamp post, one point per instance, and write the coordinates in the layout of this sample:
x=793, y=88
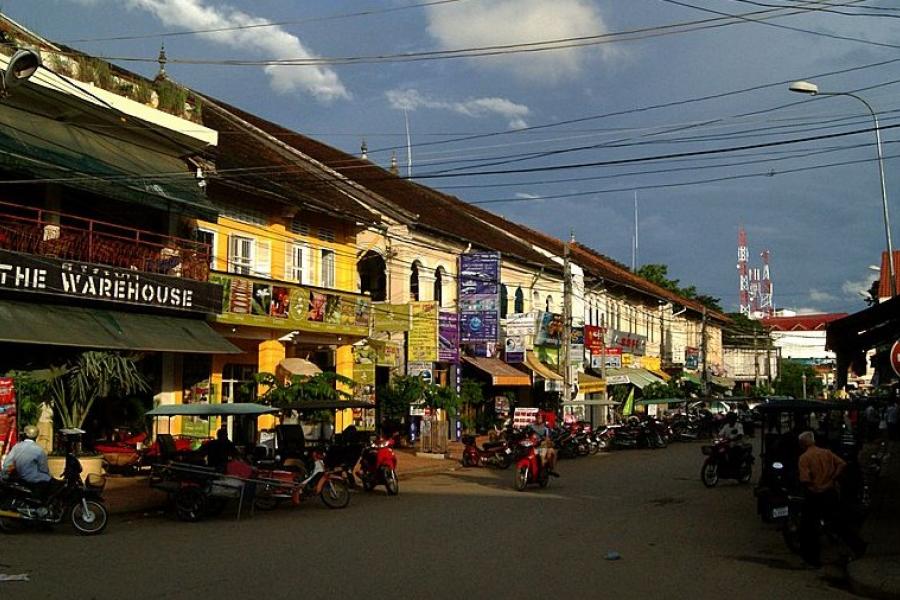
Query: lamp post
x=806, y=87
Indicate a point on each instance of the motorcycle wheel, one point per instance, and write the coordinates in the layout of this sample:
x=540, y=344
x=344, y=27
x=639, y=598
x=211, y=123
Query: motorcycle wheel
x=582, y=450
x=468, y=460
x=335, y=494
x=390, y=482
x=503, y=461
x=746, y=473
x=660, y=442
x=544, y=480
x=594, y=448
x=266, y=503
x=368, y=484
x=791, y=532
x=90, y=523
x=709, y=474
x=521, y=479
x=190, y=504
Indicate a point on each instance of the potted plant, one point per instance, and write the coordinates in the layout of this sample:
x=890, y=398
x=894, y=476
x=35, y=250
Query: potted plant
x=304, y=388
x=74, y=387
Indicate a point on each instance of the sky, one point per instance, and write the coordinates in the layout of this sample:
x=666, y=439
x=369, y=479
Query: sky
x=677, y=105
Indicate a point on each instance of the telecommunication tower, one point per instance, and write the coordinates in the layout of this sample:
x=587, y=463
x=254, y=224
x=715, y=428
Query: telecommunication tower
x=744, y=272
x=765, y=288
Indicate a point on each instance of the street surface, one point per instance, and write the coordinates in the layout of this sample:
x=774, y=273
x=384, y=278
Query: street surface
x=460, y=535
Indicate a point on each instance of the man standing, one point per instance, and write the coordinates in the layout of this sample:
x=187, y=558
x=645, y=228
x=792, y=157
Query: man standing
x=819, y=471
x=890, y=415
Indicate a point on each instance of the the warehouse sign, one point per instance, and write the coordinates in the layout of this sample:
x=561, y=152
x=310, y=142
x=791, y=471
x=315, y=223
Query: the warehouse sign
x=54, y=277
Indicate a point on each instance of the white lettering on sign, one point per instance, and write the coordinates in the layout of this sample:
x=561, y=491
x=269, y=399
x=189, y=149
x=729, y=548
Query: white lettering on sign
x=23, y=277
x=80, y=284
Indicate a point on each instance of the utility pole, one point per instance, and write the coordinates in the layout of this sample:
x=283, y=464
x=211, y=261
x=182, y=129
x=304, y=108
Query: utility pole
x=703, y=377
x=567, y=321
x=755, y=361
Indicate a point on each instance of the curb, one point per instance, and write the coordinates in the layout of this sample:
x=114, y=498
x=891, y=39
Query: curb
x=869, y=578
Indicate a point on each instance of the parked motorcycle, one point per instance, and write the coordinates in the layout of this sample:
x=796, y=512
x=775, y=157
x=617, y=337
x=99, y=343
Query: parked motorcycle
x=378, y=466
x=530, y=468
x=725, y=461
x=79, y=502
x=497, y=454
x=275, y=486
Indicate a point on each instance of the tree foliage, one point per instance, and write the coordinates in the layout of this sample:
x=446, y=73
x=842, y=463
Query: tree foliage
x=659, y=274
x=659, y=390
x=790, y=380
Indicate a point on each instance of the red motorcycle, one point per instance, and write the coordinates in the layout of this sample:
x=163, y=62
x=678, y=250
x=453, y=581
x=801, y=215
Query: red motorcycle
x=497, y=454
x=378, y=466
x=530, y=468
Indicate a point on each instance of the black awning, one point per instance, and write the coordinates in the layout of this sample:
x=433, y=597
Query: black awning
x=35, y=323
x=851, y=337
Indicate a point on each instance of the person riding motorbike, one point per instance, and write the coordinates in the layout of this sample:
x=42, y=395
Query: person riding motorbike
x=733, y=431
x=28, y=461
x=545, y=451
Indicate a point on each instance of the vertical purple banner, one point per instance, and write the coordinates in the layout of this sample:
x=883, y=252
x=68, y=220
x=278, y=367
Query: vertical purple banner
x=448, y=337
x=479, y=297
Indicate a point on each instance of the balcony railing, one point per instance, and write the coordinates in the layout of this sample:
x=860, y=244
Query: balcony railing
x=67, y=237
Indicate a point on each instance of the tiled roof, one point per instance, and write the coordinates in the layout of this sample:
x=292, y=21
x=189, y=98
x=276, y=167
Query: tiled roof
x=250, y=161
x=426, y=207
x=884, y=282
x=814, y=322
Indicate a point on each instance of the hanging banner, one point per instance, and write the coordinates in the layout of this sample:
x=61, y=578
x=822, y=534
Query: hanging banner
x=576, y=346
x=479, y=297
x=514, y=351
x=387, y=354
x=423, y=337
x=629, y=342
x=8, y=425
x=392, y=318
x=692, y=358
x=549, y=329
x=364, y=360
x=613, y=359
x=265, y=303
x=448, y=334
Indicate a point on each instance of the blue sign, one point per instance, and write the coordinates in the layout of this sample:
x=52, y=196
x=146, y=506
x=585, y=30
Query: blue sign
x=479, y=297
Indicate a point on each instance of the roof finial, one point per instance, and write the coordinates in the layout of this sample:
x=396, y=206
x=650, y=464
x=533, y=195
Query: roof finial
x=364, y=150
x=394, y=168
x=162, y=60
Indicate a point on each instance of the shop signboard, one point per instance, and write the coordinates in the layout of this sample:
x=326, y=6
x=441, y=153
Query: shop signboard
x=549, y=329
x=479, y=297
x=895, y=357
x=266, y=303
x=391, y=318
x=522, y=325
x=576, y=346
x=422, y=345
x=388, y=354
x=629, y=342
x=48, y=276
x=364, y=360
x=617, y=380
x=613, y=359
x=691, y=358
x=523, y=417
x=448, y=334
x=514, y=349
x=594, y=338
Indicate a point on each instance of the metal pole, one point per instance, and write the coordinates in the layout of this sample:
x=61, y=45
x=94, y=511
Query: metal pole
x=804, y=385
x=703, y=377
x=567, y=324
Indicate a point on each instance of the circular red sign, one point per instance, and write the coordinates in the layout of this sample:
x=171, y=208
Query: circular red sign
x=895, y=357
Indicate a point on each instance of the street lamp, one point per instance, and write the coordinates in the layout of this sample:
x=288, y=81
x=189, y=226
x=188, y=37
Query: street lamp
x=806, y=87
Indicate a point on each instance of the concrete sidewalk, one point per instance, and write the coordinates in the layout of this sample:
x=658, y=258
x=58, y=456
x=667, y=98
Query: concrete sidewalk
x=134, y=494
x=877, y=574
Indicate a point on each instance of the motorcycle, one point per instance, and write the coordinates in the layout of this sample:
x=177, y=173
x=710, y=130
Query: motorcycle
x=685, y=428
x=530, y=468
x=80, y=502
x=497, y=454
x=378, y=466
x=275, y=486
x=635, y=434
x=724, y=462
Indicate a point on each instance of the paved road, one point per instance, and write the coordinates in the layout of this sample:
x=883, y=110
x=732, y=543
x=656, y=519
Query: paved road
x=465, y=534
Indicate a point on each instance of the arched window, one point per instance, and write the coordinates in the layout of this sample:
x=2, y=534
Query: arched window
x=439, y=286
x=504, y=301
x=520, y=301
x=535, y=300
x=372, y=276
x=549, y=304
x=414, y=280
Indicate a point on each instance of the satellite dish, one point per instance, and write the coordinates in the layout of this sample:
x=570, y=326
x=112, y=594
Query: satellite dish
x=22, y=65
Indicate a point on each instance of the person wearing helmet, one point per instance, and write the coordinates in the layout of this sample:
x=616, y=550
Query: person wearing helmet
x=731, y=430
x=28, y=459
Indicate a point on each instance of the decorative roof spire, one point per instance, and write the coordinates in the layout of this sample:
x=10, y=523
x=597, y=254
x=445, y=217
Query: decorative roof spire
x=162, y=60
x=394, y=168
x=364, y=150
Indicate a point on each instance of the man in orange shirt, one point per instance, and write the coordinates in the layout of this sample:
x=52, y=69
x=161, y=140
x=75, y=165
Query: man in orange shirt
x=819, y=471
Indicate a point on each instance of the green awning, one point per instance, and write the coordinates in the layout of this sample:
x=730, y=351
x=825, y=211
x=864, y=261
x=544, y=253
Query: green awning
x=639, y=378
x=725, y=383
x=210, y=410
x=35, y=323
x=80, y=158
x=661, y=401
x=692, y=378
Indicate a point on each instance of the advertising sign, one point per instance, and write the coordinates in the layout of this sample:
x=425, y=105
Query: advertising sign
x=8, y=426
x=514, y=350
x=613, y=359
x=448, y=337
x=86, y=281
x=392, y=318
x=260, y=302
x=522, y=325
x=593, y=338
x=895, y=357
x=479, y=297
x=388, y=354
x=629, y=342
x=522, y=417
x=423, y=337
x=549, y=329
x=692, y=358
x=576, y=346
x=364, y=360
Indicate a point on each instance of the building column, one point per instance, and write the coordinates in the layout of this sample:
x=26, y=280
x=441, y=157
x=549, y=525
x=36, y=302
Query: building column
x=270, y=353
x=170, y=391
x=343, y=365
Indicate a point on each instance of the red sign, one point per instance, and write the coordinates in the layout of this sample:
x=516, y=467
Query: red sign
x=593, y=338
x=895, y=357
x=7, y=414
x=7, y=391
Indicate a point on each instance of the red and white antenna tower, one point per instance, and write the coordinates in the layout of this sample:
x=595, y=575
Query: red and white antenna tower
x=744, y=272
x=765, y=288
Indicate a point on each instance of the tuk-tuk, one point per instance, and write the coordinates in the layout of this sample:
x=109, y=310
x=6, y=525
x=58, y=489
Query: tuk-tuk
x=783, y=419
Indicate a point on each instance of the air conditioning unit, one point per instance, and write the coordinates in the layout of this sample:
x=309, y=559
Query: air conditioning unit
x=51, y=232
